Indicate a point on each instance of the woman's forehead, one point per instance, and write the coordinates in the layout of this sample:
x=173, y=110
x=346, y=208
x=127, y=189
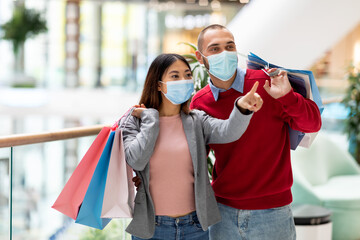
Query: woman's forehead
x=179, y=66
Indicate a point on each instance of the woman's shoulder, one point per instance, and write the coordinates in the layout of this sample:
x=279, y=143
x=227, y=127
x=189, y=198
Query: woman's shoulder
x=129, y=122
x=197, y=115
x=195, y=112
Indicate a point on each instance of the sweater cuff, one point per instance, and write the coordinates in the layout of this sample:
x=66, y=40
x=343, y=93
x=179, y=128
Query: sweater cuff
x=288, y=99
x=247, y=111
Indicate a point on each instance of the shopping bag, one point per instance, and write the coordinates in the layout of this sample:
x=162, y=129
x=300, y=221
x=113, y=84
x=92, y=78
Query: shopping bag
x=90, y=210
x=313, y=94
x=119, y=190
x=71, y=197
x=303, y=82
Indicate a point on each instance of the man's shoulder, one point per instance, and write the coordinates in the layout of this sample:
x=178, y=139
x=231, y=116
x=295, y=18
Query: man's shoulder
x=201, y=95
x=203, y=92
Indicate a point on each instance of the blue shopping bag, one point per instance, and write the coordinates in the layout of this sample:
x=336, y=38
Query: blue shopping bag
x=90, y=209
x=302, y=81
x=297, y=81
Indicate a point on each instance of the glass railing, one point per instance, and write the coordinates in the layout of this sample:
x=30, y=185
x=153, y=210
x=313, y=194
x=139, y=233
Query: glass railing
x=33, y=170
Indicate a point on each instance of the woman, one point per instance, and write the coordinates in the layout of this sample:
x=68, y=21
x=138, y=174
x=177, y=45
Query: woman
x=165, y=143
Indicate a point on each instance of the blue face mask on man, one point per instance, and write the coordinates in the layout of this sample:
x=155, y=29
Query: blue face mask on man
x=179, y=91
x=223, y=65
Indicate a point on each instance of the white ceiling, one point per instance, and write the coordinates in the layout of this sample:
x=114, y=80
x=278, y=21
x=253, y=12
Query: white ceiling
x=293, y=33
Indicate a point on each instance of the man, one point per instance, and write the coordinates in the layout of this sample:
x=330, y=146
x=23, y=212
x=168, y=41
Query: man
x=252, y=177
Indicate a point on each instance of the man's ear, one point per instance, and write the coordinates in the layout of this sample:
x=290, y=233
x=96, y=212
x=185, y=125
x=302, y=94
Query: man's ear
x=199, y=57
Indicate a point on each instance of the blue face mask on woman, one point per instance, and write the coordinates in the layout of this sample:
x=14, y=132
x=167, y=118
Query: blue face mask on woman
x=223, y=65
x=179, y=91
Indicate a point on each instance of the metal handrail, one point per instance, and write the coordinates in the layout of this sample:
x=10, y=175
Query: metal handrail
x=67, y=133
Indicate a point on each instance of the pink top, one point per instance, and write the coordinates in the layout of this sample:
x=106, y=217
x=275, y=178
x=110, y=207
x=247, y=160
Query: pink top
x=171, y=170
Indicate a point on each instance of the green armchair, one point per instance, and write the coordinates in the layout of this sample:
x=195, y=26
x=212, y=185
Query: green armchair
x=328, y=176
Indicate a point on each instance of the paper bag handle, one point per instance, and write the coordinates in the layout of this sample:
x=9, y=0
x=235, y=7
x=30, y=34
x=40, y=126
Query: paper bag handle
x=127, y=116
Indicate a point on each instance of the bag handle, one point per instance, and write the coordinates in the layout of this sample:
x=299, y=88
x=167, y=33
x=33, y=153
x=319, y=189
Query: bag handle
x=127, y=116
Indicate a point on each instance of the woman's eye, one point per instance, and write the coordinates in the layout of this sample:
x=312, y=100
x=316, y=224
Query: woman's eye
x=189, y=75
x=175, y=76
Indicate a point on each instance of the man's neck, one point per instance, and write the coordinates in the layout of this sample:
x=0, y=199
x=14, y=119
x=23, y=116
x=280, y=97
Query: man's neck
x=223, y=84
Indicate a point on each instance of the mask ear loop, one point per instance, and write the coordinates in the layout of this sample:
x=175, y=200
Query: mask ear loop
x=203, y=66
x=160, y=87
x=202, y=55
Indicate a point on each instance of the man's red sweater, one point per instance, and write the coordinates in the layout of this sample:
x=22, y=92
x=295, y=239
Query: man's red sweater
x=254, y=172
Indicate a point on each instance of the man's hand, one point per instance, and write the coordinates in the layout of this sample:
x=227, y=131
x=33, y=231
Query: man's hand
x=138, y=110
x=251, y=101
x=280, y=84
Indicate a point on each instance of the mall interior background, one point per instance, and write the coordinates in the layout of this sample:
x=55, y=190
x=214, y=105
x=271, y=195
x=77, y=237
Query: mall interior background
x=89, y=68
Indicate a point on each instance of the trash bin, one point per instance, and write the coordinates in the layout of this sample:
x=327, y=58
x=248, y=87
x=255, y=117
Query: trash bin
x=312, y=222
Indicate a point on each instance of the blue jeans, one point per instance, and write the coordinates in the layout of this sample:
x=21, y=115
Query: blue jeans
x=269, y=224
x=180, y=228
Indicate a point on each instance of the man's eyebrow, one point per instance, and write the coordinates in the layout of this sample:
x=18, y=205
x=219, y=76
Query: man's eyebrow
x=213, y=45
x=217, y=44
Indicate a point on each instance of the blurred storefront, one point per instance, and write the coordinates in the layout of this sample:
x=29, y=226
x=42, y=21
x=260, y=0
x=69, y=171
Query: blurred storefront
x=332, y=67
x=107, y=43
x=91, y=64
x=88, y=69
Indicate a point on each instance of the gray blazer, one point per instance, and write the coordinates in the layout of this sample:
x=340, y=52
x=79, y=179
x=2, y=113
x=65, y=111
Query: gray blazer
x=140, y=136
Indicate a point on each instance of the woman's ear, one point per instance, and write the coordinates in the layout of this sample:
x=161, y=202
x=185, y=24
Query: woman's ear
x=162, y=87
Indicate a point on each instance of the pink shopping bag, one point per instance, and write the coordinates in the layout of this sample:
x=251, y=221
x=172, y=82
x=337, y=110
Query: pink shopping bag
x=119, y=193
x=71, y=197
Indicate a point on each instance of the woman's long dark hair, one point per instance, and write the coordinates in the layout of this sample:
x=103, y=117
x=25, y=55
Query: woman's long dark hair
x=150, y=96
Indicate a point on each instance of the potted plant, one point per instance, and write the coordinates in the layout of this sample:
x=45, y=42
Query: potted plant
x=352, y=102
x=24, y=23
x=199, y=71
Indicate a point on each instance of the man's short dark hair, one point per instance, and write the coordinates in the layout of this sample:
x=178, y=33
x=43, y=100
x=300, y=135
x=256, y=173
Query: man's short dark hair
x=201, y=34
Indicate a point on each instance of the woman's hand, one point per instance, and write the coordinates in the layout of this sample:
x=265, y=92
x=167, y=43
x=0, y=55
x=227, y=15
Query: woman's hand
x=137, y=181
x=251, y=101
x=138, y=110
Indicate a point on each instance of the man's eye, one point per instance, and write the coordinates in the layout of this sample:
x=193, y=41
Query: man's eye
x=214, y=49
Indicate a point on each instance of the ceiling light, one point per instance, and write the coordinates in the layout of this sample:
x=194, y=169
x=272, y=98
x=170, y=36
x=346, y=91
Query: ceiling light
x=216, y=5
x=171, y=5
x=203, y=3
